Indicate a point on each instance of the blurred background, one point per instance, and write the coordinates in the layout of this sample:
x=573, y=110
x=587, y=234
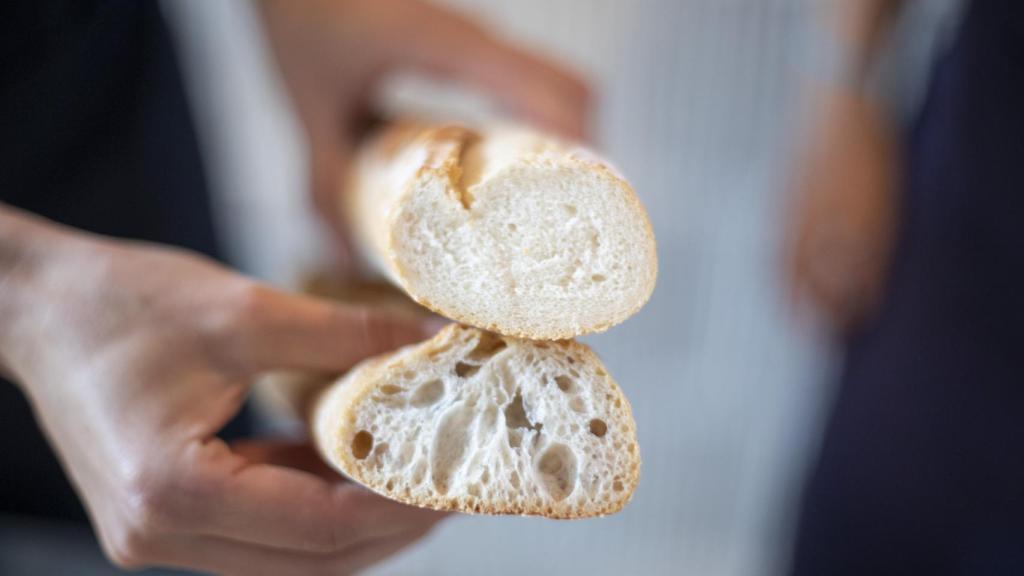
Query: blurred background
x=700, y=105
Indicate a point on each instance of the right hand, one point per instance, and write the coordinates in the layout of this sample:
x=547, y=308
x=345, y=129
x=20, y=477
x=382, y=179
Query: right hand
x=845, y=210
x=133, y=358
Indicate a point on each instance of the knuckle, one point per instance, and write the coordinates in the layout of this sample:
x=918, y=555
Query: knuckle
x=327, y=539
x=148, y=505
x=241, y=303
x=331, y=541
x=159, y=502
x=234, y=320
x=334, y=538
x=130, y=546
x=132, y=542
x=154, y=505
x=126, y=550
x=381, y=332
x=364, y=331
x=337, y=534
x=249, y=302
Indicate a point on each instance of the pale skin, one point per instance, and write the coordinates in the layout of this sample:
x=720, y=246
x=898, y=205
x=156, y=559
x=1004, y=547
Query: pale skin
x=846, y=198
x=133, y=356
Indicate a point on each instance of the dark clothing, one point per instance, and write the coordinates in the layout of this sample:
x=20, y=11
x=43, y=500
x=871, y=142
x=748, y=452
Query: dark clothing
x=922, y=468
x=96, y=134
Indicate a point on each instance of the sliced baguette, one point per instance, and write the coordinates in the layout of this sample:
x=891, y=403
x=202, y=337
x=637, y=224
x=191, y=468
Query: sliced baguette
x=502, y=229
x=475, y=422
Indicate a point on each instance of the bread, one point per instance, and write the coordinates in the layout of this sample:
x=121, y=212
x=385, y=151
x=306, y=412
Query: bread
x=475, y=422
x=502, y=229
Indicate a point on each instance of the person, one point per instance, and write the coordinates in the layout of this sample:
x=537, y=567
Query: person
x=129, y=346
x=913, y=247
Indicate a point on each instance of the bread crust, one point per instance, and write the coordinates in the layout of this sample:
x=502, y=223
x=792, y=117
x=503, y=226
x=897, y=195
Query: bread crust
x=406, y=154
x=334, y=418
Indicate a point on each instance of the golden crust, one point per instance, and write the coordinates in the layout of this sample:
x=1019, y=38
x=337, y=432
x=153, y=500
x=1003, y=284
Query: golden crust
x=444, y=146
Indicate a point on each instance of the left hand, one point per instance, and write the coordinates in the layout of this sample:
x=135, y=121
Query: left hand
x=332, y=54
x=134, y=357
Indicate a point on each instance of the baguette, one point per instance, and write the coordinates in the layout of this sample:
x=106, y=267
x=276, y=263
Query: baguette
x=474, y=422
x=502, y=229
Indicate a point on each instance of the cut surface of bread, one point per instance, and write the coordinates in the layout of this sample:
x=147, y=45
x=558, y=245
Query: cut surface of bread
x=503, y=229
x=475, y=422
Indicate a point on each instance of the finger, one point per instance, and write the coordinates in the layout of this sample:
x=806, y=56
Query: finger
x=288, y=331
x=292, y=509
x=286, y=454
x=368, y=553
x=441, y=42
x=226, y=556
x=833, y=279
x=815, y=264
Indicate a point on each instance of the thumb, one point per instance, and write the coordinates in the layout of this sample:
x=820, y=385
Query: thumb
x=444, y=43
x=287, y=331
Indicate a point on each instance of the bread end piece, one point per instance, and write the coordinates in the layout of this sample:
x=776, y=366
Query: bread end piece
x=475, y=422
x=504, y=229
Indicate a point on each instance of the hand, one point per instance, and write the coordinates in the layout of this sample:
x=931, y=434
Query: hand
x=845, y=210
x=333, y=54
x=134, y=357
